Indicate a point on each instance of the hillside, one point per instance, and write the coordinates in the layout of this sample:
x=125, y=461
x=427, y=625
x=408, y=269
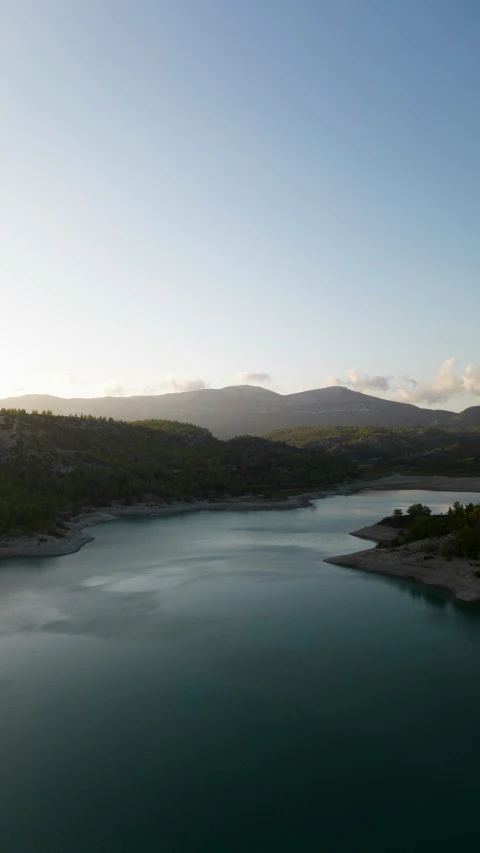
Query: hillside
x=423, y=449
x=468, y=418
x=238, y=410
x=51, y=466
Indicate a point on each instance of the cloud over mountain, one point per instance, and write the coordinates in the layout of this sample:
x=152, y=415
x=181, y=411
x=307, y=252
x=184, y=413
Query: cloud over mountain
x=447, y=383
x=363, y=382
x=177, y=384
x=358, y=381
x=115, y=389
x=471, y=379
x=253, y=378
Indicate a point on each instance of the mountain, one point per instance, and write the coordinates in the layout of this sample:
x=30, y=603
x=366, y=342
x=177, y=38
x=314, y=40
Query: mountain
x=242, y=409
x=468, y=418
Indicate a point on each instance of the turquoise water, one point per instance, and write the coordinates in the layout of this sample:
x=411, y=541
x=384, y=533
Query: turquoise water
x=206, y=683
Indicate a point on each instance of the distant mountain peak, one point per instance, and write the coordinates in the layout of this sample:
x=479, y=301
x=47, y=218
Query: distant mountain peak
x=240, y=409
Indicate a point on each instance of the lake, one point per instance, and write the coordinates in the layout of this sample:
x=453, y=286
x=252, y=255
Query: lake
x=206, y=683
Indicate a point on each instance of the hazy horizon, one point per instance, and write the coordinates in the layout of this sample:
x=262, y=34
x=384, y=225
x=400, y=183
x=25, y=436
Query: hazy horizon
x=209, y=388
x=204, y=194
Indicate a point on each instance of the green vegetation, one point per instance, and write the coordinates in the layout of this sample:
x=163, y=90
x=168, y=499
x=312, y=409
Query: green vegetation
x=459, y=529
x=417, y=511
x=51, y=466
x=381, y=450
x=299, y=436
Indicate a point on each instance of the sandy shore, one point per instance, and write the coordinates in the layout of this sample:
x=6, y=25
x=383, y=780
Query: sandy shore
x=43, y=545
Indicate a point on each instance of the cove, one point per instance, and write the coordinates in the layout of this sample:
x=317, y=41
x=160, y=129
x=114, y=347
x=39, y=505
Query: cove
x=207, y=683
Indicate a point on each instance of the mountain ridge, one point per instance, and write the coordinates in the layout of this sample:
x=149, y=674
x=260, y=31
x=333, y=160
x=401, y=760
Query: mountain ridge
x=243, y=409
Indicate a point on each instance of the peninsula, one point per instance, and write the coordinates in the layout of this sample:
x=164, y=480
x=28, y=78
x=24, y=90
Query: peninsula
x=437, y=550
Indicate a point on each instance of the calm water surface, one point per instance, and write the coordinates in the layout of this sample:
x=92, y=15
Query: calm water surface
x=206, y=683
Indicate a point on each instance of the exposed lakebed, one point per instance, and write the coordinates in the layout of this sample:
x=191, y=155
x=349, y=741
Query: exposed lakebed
x=207, y=683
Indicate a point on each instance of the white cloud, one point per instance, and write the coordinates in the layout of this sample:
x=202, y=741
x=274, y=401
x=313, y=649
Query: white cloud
x=171, y=384
x=114, y=389
x=471, y=379
x=65, y=379
x=404, y=377
x=445, y=384
x=328, y=382
x=178, y=384
x=252, y=378
x=357, y=381
x=363, y=382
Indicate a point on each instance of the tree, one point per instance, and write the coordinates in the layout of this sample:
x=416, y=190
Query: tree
x=416, y=510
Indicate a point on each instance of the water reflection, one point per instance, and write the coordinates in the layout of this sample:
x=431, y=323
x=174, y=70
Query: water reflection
x=434, y=596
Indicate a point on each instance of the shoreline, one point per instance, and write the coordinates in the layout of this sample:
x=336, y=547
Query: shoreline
x=45, y=545
x=414, y=562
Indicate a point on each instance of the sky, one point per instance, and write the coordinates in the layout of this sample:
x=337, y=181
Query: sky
x=203, y=193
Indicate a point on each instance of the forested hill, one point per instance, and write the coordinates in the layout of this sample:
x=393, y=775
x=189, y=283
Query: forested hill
x=52, y=466
x=429, y=450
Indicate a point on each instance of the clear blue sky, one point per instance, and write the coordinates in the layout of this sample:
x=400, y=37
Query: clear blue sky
x=194, y=190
